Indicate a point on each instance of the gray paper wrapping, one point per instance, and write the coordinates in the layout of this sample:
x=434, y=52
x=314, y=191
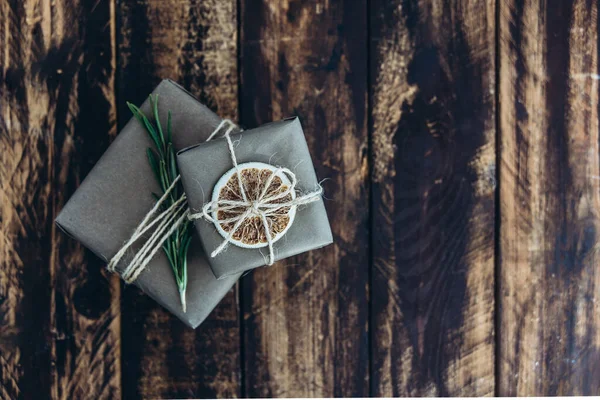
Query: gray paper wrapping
x=117, y=194
x=278, y=143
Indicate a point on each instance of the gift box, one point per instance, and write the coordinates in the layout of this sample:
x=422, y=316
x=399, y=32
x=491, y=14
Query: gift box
x=117, y=194
x=278, y=149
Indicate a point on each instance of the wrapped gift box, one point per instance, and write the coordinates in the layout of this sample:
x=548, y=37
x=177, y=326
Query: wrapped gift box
x=117, y=194
x=277, y=144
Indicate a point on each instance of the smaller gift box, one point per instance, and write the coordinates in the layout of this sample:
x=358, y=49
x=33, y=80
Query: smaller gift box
x=248, y=185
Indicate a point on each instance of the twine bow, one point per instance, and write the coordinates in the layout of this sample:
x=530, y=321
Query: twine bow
x=263, y=206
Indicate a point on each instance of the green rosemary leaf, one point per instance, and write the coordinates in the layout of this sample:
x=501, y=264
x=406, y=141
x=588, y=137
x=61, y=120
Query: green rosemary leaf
x=169, y=174
x=169, y=134
x=186, y=244
x=154, y=104
x=153, y=163
x=184, y=250
x=176, y=239
x=175, y=253
x=149, y=128
x=164, y=166
x=171, y=253
x=167, y=251
x=173, y=165
x=184, y=277
x=136, y=112
x=164, y=177
x=181, y=232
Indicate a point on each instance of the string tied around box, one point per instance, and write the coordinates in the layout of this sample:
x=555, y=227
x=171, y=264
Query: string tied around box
x=253, y=204
x=164, y=222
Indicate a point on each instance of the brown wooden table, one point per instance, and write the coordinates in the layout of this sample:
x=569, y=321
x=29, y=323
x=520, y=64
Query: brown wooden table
x=460, y=139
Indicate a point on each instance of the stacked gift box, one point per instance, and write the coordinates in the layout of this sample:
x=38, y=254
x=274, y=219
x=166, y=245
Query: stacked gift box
x=252, y=197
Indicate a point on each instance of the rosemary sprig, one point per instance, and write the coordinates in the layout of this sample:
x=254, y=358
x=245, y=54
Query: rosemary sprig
x=162, y=162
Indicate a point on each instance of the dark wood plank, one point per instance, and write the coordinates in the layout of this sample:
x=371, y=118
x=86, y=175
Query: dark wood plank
x=305, y=319
x=59, y=311
x=195, y=43
x=433, y=154
x=549, y=303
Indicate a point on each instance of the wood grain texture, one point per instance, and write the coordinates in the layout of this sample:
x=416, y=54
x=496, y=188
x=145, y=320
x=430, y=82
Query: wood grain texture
x=403, y=303
x=59, y=311
x=549, y=304
x=433, y=150
x=305, y=319
x=193, y=42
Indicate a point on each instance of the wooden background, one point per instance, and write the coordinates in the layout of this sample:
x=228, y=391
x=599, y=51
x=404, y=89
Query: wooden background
x=461, y=143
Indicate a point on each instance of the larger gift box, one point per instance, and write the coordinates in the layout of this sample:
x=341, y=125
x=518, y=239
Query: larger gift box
x=117, y=193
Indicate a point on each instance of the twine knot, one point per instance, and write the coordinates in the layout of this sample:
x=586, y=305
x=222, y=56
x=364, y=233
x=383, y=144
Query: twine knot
x=256, y=208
